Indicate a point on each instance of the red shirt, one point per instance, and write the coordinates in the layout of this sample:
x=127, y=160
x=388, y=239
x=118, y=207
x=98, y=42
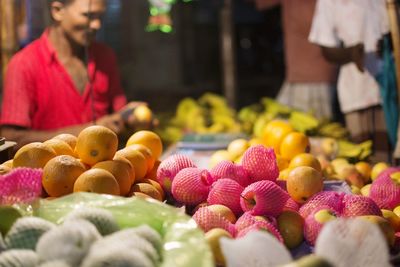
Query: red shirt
x=39, y=94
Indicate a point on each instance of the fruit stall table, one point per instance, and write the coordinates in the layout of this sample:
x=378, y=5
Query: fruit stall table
x=6, y=149
x=200, y=147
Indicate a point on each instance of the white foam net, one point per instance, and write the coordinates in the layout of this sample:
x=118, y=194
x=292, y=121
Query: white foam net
x=352, y=242
x=256, y=249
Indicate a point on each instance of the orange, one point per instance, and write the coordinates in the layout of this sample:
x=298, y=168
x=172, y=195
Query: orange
x=156, y=185
x=152, y=174
x=255, y=141
x=8, y=163
x=97, y=181
x=293, y=144
x=274, y=132
x=121, y=172
x=96, y=143
x=60, y=147
x=146, y=153
x=237, y=147
x=147, y=189
x=87, y=167
x=70, y=139
x=60, y=174
x=130, y=166
x=148, y=139
x=137, y=160
x=219, y=156
x=33, y=155
x=365, y=169
x=303, y=182
x=4, y=169
x=281, y=162
x=290, y=225
x=143, y=114
x=305, y=159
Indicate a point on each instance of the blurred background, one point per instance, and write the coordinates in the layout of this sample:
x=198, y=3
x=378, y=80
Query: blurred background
x=162, y=68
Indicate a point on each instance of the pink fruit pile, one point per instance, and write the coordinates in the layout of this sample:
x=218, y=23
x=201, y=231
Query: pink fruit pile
x=251, y=194
x=385, y=191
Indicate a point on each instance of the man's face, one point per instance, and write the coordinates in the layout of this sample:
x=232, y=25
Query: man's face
x=80, y=21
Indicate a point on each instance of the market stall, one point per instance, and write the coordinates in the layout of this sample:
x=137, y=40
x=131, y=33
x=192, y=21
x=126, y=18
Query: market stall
x=205, y=184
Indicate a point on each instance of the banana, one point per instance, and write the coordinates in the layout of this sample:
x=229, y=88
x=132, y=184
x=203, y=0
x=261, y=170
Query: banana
x=354, y=152
x=183, y=109
x=334, y=130
x=303, y=122
x=274, y=107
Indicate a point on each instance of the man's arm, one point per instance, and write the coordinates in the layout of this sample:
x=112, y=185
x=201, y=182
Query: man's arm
x=23, y=135
x=342, y=55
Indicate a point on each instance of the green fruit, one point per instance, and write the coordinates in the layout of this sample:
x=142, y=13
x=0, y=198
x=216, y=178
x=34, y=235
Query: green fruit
x=8, y=216
x=117, y=257
x=127, y=239
x=25, y=233
x=19, y=258
x=150, y=235
x=56, y=263
x=309, y=261
x=101, y=218
x=69, y=242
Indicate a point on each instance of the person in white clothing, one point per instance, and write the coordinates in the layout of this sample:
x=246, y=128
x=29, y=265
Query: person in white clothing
x=348, y=31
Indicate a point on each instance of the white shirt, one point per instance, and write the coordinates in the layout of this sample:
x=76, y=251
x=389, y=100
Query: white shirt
x=352, y=22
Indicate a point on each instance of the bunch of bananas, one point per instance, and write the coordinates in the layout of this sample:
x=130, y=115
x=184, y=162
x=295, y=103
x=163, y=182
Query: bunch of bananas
x=208, y=114
x=334, y=130
x=304, y=122
x=354, y=152
x=253, y=118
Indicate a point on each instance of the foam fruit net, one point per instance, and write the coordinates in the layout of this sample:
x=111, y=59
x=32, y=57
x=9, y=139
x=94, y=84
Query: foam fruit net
x=352, y=242
x=330, y=199
x=21, y=185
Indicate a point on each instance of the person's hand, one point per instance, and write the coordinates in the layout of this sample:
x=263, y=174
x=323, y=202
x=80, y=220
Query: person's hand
x=113, y=121
x=357, y=56
x=137, y=115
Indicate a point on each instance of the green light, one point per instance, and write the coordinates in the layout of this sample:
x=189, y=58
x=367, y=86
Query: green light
x=166, y=28
x=154, y=11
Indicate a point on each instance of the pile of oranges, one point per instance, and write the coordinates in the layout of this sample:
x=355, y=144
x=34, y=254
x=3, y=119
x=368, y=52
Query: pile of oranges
x=91, y=162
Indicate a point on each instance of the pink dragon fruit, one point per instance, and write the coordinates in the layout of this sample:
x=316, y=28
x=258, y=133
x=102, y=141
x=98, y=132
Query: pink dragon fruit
x=247, y=220
x=191, y=186
x=261, y=226
x=315, y=221
x=291, y=205
x=169, y=167
x=260, y=163
x=331, y=199
x=226, y=192
x=21, y=185
x=355, y=205
x=385, y=191
x=263, y=198
x=227, y=169
x=207, y=219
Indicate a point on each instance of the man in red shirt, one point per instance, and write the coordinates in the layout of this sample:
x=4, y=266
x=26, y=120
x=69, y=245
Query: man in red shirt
x=64, y=81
